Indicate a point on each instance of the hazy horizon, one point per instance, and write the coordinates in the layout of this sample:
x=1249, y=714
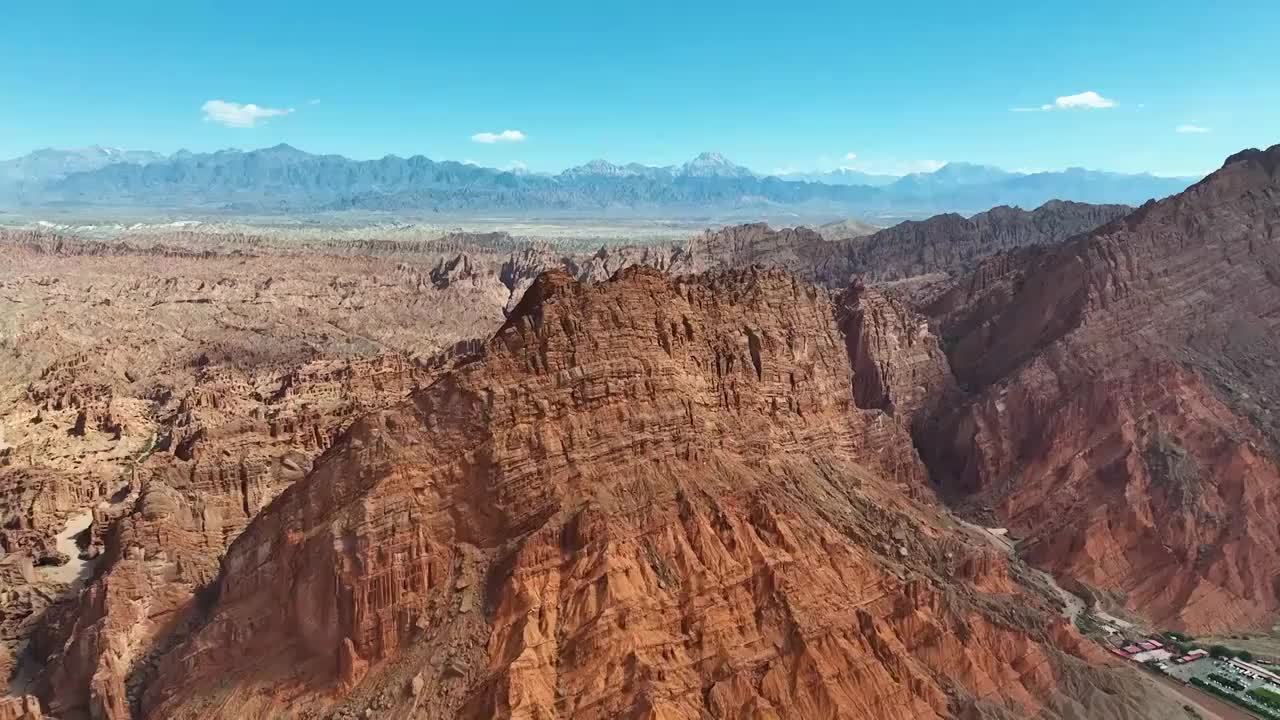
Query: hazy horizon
x=784, y=173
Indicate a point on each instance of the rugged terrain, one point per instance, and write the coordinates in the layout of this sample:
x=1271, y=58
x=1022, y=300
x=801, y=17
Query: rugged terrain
x=156, y=399
x=173, y=383
x=644, y=498
x=951, y=244
x=481, y=476
x=1122, y=417
x=844, y=229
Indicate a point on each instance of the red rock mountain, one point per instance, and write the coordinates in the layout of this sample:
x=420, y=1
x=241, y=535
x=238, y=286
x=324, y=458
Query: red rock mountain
x=1122, y=417
x=644, y=495
x=646, y=498
x=950, y=244
x=153, y=401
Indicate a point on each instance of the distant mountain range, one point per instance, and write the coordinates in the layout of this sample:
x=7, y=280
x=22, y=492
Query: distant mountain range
x=49, y=164
x=841, y=176
x=286, y=179
x=706, y=165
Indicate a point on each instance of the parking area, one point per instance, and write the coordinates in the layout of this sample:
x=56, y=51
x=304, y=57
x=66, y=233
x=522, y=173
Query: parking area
x=1228, y=679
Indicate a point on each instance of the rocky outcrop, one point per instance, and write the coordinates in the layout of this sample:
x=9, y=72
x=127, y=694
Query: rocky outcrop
x=646, y=498
x=1119, y=422
x=230, y=448
x=215, y=374
x=897, y=361
x=951, y=244
x=846, y=229
x=99, y=651
x=26, y=707
x=939, y=247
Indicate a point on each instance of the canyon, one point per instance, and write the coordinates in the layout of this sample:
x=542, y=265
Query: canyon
x=486, y=476
x=1120, y=414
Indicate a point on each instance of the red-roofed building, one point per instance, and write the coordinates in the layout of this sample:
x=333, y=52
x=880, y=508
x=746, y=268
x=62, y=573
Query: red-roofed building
x=1191, y=657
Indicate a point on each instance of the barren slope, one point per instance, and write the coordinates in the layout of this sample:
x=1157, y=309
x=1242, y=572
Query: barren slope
x=646, y=498
x=166, y=396
x=1123, y=419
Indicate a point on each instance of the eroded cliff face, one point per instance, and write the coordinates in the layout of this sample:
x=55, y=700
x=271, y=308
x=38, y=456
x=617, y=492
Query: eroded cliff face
x=1121, y=420
x=645, y=498
x=897, y=360
x=228, y=452
x=155, y=401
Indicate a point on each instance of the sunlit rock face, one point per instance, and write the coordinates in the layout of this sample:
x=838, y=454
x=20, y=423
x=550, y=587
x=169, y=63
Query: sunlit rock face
x=649, y=497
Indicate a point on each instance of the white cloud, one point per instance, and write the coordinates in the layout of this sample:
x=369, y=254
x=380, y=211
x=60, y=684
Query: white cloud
x=1087, y=100
x=314, y=101
x=850, y=156
x=1192, y=129
x=488, y=138
x=236, y=115
x=470, y=162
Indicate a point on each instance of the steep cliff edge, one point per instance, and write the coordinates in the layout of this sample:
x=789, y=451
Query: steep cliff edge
x=646, y=498
x=1121, y=418
x=897, y=360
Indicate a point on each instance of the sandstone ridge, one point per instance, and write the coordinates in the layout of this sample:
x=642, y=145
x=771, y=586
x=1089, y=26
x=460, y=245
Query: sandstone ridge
x=649, y=497
x=1120, y=419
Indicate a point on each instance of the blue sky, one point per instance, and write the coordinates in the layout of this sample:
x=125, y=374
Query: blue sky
x=900, y=85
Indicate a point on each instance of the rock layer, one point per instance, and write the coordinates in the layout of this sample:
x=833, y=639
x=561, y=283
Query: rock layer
x=645, y=498
x=950, y=244
x=1121, y=422
x=898, y=363
x=164, y=397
